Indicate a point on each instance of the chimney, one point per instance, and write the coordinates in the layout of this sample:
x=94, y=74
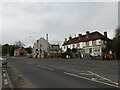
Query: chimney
x=47, y=37
x=79, y=35
x=75, y=35
x=65, y=40
x=105, y=34
x=70, y=38
x=87, y=34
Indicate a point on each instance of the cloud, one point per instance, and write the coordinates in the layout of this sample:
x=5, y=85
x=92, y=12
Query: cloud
x=59, y=20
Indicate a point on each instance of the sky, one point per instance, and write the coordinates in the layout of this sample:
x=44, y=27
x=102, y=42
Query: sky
x=28, y=21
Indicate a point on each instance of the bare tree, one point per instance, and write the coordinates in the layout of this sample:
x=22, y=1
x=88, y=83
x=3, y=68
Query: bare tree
x=20, y=44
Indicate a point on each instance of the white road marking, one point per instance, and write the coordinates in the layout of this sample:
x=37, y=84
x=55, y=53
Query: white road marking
x=89, y=79
x=84, y=73
x=46, y=67
x=103, y=78
x=3, y=70
x=9, y=82
x=5, y=81
x=4, y=74
x=93, y=79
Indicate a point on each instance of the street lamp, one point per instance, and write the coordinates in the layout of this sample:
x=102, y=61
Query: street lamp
x=32, y=39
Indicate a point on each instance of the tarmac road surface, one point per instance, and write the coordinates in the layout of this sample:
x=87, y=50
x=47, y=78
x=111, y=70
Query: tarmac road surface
x=60, y=73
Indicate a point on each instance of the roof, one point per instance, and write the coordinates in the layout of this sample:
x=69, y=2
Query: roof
x=92, y=36
x=19, y=49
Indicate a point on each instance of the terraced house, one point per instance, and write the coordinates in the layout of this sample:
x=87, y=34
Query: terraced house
x=90, y=43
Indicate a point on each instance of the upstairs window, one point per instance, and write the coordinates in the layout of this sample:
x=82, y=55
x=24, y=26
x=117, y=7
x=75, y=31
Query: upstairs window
x=87, y=43
x=78, y=45
x=40, y=45
x=94, y=42
x=73, y=45
x=64, y=47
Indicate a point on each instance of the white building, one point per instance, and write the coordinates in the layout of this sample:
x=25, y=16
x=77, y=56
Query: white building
x=41, y=46
x=93, y=42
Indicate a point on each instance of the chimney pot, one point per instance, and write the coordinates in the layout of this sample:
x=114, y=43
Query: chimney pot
x=65, y=39
x=87, y=32
x=47, y=37
x=80, y=35
x=105, y=34
x=70, y=38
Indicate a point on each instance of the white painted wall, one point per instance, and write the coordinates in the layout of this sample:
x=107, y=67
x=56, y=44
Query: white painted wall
x=68, y=46
x=90, y=43
x=45, y=46
x=71, y=46
x=98, y=42
x=84, y=44
x=81, y=44
x=75, y=45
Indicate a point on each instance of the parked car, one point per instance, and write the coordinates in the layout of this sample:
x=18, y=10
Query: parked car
x=29, y=55
x=3, y=60
x=109, y=56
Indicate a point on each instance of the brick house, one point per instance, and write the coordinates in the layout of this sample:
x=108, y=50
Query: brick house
x=93, y=42
x=20, y=52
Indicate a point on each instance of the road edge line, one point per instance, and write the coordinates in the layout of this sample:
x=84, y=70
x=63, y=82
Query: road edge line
x=9, y=81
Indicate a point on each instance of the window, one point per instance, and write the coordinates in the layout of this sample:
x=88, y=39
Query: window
x=81, y=45
x=40, y=45
x=94, y=42
x=84, y=44
x=64, y=47
x=87, y=43
x=78, y=45
x=73, y=45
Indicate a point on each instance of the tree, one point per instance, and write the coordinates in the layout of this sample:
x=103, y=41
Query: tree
x=5, y=49
x=20, y=44
x=9, y=49
x=116, y=43
x=29, y=49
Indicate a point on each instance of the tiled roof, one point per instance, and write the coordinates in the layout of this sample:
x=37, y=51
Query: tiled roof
x=84, y=38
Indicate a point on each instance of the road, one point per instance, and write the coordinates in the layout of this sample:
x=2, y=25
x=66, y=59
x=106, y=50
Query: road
x=62, y=73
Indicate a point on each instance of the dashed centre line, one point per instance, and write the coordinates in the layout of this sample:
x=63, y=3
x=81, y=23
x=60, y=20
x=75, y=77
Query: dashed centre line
x=46, y=67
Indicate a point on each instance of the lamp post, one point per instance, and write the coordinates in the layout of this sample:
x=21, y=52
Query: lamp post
x=32, y=41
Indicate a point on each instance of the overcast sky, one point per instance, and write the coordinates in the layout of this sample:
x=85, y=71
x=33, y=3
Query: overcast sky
x=59, y=20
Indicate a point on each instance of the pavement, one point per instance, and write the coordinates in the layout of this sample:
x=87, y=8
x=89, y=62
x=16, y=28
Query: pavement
x=62, y=73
